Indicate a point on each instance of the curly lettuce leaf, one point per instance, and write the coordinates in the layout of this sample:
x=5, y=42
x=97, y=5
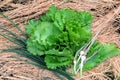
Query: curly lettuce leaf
x=55, y=58
x=58, y=34
x=31, y=26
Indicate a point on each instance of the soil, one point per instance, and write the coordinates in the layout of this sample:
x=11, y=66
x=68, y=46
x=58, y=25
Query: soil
x=106, y=18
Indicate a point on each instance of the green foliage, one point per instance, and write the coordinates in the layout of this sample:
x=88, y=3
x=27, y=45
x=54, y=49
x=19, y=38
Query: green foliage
x=105, y=51
x=118, y=78
x=58, y=34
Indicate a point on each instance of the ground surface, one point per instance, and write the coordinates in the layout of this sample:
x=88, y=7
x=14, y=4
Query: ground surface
x=107, y=19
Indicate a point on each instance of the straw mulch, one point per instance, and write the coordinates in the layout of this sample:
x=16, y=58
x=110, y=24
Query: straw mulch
x=107, y=18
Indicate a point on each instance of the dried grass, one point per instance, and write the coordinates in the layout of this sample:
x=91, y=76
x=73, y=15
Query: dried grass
x=105, y=12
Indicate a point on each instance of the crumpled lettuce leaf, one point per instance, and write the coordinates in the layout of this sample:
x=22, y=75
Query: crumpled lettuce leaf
x=58, y=34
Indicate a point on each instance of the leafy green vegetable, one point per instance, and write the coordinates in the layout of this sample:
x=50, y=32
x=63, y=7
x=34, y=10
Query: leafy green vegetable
x=58, y=34
x=105, y=51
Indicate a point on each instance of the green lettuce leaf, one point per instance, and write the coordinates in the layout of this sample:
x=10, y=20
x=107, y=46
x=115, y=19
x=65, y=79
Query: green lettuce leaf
x=58, y=34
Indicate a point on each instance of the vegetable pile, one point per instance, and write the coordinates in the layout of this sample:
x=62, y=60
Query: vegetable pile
x=58, y=34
